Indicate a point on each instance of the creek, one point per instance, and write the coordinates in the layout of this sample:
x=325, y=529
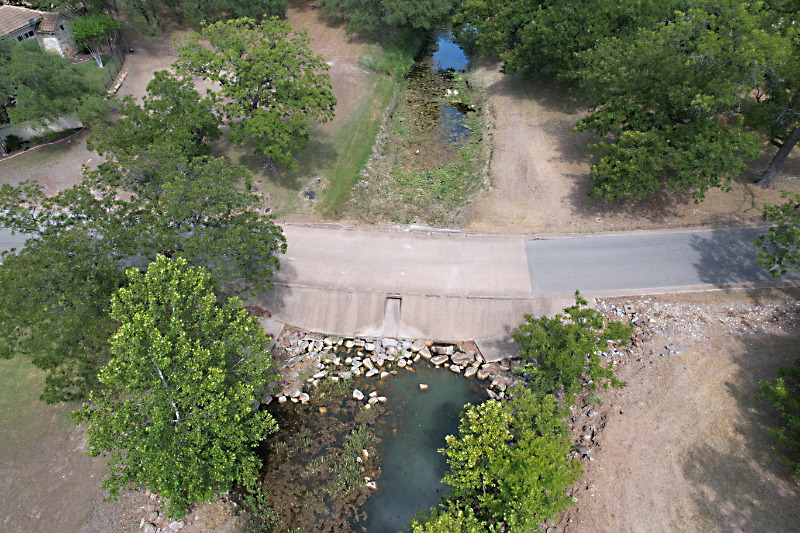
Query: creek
x=412, y=467
x=433, y=111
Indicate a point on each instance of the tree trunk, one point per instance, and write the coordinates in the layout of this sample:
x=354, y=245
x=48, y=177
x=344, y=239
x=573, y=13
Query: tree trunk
x=775, y=166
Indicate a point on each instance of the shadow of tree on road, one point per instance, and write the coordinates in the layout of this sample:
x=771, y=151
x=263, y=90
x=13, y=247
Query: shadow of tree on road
x=729, y=256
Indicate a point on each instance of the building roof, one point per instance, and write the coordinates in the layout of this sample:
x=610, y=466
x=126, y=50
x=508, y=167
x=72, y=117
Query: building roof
x=50, y=21
x=13, y=18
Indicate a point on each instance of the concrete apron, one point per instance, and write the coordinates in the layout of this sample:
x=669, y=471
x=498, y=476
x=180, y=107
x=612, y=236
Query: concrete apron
x=488, y=320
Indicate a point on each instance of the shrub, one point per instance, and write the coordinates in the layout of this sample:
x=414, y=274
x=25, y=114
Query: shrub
x=509, y=463
x=557, y=351
x=784, y=395
x=451, y=520
x=13, y=143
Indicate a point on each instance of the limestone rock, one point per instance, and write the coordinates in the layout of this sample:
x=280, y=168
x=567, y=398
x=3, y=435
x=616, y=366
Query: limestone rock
x=368, y=364
x=462, y=359
x=327, y=341
x=391, y=350
x=358, y=395
x=303, y=398
x=470, y=371
x=455, y=368
x=384, y=374
x=389, y=343
x=281, y=399
x=439, y=359
x=349, y=344
x=425, y=352
x=370, y=347
x=382, y=399
x=372, y=485
x=345, y=374
x=416, y=346
x=372, y=372
x=373, y=394
x=401, y=363
x=443, y=350
x=484, y=373
x=320, y=375
x=423, y=386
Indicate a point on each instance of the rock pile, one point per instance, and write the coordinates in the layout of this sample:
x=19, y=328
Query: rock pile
x=313, y=357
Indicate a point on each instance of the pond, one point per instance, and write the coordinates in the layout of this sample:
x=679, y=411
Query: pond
x=408, y=428
x=412, y=467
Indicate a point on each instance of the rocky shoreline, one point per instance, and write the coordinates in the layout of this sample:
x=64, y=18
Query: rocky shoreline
x=307, y=359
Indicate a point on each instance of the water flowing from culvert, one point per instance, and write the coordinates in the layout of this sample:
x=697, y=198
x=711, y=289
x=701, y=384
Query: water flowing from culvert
x=416, y=423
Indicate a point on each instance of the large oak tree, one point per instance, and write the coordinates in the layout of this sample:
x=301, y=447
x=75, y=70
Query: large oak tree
x=272, y=85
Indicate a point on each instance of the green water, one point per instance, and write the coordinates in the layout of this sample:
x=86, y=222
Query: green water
x=412, y=468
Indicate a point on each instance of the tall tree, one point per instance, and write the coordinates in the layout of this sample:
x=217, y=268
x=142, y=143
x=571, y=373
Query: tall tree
x=57, y=289
x=93, y=31
x=547, y=35
x=780, y=246
x=175, y=410
x=172, y=114
x=272, y=84
x=39, y=87
x=667, y=103
x=375, y=15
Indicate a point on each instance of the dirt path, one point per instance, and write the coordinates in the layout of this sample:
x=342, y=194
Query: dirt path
x=685, y=445
x=540, y=172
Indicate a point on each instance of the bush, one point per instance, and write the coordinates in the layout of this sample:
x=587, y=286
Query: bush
x=395, y=56
x=451, y=520
x=784, y=395
x=50, y=135
x=509, y=463
x=13, y=143
x=558, y=351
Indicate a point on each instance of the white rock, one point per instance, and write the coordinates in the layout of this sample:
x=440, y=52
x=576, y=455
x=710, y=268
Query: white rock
x=372, y=372
x=358, y=395
x=349, y=344
x=391, y=350
x=425, y=352
x=367, y=406
x=423, y=386
x=382, y=399
x=373, y=401
x=327, y=341
x=372, y=485
x=455, y=368
x=384, y=374
x=471, y=371
x=318, y=346
x=373, y=394
x=401, y=363
x=303, y=398
x=281, y=399
x=370, y=347
x=417, y=346
x=320, y=375
x=368, y=364
x=389, y=343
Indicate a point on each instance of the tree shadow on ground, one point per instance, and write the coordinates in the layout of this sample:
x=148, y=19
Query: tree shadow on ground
x=741, y=485
x=729, y=256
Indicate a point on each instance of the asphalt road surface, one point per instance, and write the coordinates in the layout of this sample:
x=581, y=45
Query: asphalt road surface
x=645, y=260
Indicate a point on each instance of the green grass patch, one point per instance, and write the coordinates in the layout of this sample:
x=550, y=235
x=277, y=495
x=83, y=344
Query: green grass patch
x=91, y=70
x=353, y=147
x=393, y=56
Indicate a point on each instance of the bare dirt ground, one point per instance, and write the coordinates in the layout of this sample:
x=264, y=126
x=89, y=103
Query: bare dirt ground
x=540, y=172
x=684, y=447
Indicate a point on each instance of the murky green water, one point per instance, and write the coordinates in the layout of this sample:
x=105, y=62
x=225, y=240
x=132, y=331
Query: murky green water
x=416, y=423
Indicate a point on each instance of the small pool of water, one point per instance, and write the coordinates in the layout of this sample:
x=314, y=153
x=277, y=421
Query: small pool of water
x=448, y=55
x=415, y=429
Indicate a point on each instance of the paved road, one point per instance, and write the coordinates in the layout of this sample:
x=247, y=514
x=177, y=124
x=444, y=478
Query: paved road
x=452, y=285
x=645, y=260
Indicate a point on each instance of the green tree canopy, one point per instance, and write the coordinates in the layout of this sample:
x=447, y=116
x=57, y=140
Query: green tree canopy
x=40, y=87
x=668, y=103
x=175, y=410
x=374, y=15
x=780, y=246
x=92, y=31
x=547, y=35
x=172, y=114
x=509, y=463
x=556, y=352
x=784, y=395
x=272, y=84
x=58, y=288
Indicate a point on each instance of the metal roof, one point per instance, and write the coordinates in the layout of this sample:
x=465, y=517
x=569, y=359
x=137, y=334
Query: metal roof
x=13, y=18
